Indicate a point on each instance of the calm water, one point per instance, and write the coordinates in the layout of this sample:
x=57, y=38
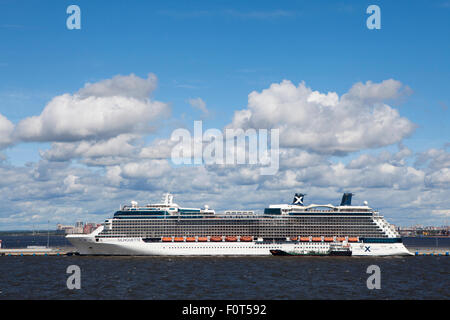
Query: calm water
x=38, y=240
x=226, y=277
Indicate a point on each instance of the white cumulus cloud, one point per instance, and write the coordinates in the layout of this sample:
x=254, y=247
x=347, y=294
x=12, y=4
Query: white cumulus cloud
x=325, y=123
x=198, y=103
x=6, y=130
x=116, y=146
x=98, y=111
x=126, y=86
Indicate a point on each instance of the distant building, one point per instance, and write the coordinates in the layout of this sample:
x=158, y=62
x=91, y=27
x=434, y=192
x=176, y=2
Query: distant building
x=79, y=224
x=424, y=231
x=89, y=227
x=80, y=227
x=66, y=229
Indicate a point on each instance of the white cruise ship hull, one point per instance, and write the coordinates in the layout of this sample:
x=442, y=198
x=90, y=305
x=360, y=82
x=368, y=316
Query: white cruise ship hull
x=88, y=245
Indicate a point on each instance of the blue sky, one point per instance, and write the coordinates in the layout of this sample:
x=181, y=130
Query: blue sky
x=221, y=51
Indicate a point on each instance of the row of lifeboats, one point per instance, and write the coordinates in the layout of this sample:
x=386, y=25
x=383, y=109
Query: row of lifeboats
x=250, y=238
x=205, y=239
x=324, y=239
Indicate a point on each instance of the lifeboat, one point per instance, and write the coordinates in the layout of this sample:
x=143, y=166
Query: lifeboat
x=215, y=239
x=340, y=239
x=317, y=239
x=246, y=239
x=190, y=239
x=304, y=239
x=166, y=239
x=294, y=238
x=231, y=239
x=202, y=239
x=353, y=239
x=178, y=239
x=328, y=239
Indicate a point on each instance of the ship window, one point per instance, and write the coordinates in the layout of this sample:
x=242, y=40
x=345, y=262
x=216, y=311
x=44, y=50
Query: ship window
x=272, y=211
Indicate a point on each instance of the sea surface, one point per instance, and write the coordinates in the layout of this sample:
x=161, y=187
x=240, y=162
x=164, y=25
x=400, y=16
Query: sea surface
x=30, y=240
x=224, y=278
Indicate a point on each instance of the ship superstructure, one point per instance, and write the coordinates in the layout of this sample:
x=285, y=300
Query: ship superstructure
x=168, y=229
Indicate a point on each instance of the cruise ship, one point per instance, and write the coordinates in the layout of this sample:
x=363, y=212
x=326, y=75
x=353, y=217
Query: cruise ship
x=168, y=229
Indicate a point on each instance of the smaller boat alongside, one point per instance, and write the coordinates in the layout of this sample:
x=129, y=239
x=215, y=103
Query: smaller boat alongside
x=335, y=250
x=297, y=253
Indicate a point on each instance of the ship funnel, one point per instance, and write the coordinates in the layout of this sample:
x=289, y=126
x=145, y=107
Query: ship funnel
x=346, y=199
x=298, y=199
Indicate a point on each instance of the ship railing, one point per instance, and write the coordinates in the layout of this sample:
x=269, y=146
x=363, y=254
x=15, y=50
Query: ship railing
x=332, y=211
x=240, y=212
